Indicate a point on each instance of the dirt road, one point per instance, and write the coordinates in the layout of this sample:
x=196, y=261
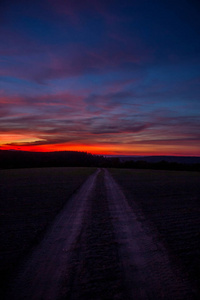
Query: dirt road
x=98, y=249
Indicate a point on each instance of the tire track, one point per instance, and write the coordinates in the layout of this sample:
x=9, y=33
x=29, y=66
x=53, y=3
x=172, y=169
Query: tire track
x=42, y=275
x=147, y=270
x=95, y=271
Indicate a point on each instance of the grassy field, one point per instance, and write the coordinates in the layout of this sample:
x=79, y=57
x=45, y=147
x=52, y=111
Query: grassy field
x=170, y=200
x=29, y=201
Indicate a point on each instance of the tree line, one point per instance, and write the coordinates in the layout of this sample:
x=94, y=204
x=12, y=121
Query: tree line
x=25, y=159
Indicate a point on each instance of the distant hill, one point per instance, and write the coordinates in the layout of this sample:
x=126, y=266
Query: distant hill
x=156, y=159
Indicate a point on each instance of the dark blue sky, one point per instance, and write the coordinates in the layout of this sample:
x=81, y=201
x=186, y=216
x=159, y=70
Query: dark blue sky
x=113, y=77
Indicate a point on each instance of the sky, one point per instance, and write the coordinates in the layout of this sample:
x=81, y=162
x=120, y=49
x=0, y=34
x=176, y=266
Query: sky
x=114, y=77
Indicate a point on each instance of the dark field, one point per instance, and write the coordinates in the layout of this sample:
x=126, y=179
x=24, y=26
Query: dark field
x=170, y=201
x=103, y=243
x=29, y=201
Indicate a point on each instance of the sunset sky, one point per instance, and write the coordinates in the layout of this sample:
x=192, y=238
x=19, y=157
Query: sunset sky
x=107, y=77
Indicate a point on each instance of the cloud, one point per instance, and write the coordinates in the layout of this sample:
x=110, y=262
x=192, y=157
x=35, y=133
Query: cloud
x=74, y=9
x=35, y=61
x=65, y=116
x=119, y=126
x=80, y=61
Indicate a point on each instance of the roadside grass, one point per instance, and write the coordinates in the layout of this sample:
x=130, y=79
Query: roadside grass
x=29, y=201
x=170, y=200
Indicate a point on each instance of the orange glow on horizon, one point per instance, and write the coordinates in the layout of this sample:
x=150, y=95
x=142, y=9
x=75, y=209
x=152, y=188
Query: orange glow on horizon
x=108, y=149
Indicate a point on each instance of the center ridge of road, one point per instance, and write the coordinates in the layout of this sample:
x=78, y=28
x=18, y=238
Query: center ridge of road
x=98, y=248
